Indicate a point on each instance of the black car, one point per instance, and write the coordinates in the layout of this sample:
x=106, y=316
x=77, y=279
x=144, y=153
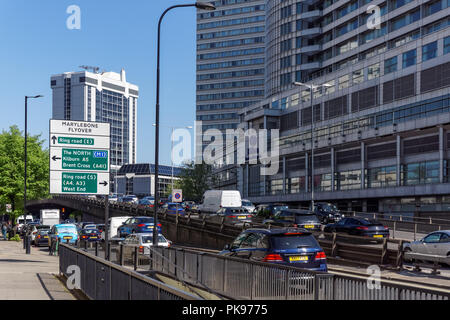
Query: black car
x=41, y=238
x=90, y=235
x=268, y=210
x=295, y=218
x=359, y=227
x=293, y=247
x=327, y=212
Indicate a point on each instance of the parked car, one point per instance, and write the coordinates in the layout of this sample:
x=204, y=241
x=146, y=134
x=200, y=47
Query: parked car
x=41, y=238
x=236, y=216
x=327, y=212
x=90, y=235
x=435, y=243
x=295, y=218
x=359, y=227
x=268, y=210
x=173, y=208
x=63, y=233
x=137, y=225
x=144, y=241
x=286, y=246
x=247, y=204
x=213, y=200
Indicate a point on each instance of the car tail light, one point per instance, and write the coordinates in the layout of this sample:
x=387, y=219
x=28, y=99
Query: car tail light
x=232, y=216
x=320, y=255
x=295, y=225
x=293, y=233
x=84, y=237
x=159, y=225
x=35, y=232
x=386, y=227
x=168, y=245
x=362, y=228
x=141, y=225
x=272, y=257
x=38, y=237
x=141, y=249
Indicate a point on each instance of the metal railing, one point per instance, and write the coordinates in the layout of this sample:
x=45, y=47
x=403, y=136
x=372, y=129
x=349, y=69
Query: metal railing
x=104, y=280
x=243, y=279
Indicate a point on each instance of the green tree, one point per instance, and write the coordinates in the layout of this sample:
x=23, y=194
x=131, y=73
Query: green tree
x=13, y=168
x=195, y=179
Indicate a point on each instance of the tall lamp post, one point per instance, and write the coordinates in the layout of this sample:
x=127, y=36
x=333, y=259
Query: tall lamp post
x=171, y=150
x=25, y=163
x=311, y=88
x=198, y=5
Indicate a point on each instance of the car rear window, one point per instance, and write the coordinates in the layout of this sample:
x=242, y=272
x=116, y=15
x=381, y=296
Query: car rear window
x=283, y=241
x=145, y=220
x=306, y=218
x=367, y=222
x=149, y=239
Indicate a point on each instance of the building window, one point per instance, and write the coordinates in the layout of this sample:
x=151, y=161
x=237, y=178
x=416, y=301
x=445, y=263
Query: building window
x=286, y=12
x=381, y=177
x=429, y=51
x=373, y=71
x=285, y=62
x=348, y=180
x=286, y=45
x=285, y=79
x=274, y=187
x=358, y=76
x=344, y=81
x=446, y=45
x=285, y=28
x=322, y=182
x=420, y=173
x=409, y=58
x=295, y=185
x=390, y=65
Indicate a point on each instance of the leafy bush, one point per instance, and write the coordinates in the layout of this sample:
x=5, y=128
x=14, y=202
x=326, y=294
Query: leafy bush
x=15, y=238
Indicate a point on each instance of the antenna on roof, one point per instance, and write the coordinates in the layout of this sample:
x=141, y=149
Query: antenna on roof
x=94, y=69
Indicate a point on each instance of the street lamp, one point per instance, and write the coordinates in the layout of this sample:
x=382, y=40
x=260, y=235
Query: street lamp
x=171, y=150
x=198, y=5
x=311, y=88
x=25, y=162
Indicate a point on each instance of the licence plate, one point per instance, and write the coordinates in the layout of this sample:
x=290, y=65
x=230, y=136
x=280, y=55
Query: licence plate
x=45, y=237
x=149, y=227
x=309, y=226
x=378, y=236
x=298, y=258
x=242, y=217
x=93, y=237
x=67, y=237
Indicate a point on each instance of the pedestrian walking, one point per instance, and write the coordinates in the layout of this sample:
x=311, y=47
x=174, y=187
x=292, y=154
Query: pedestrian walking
x=4, y=229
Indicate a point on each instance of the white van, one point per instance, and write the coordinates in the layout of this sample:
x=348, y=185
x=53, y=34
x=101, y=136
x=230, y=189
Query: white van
x=21, y=221
x=213, y=200
x=114, y=223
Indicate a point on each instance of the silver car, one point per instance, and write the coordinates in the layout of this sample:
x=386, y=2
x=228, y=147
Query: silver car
x=436, y=243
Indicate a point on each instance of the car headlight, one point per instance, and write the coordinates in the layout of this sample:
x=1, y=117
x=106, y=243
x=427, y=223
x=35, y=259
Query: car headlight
x=330, y=215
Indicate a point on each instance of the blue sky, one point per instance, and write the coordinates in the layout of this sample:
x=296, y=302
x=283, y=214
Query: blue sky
x=35, y=43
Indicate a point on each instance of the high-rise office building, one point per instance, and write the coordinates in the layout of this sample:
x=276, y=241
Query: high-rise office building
x=230, y=64
x=381, y=125
x=102, y=97
x=230, y=61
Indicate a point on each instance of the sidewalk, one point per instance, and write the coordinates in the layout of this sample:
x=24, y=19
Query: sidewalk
x=29, y=277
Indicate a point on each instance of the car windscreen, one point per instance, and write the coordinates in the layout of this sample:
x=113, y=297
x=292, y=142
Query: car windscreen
x=286, y=241
x=149, y=239
x=145, y=220
x=247, y=203
x=302, y=218
x=329, y=208
x=66, y=229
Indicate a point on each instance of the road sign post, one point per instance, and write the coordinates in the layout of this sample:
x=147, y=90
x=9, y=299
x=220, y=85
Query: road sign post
x=80, y=160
